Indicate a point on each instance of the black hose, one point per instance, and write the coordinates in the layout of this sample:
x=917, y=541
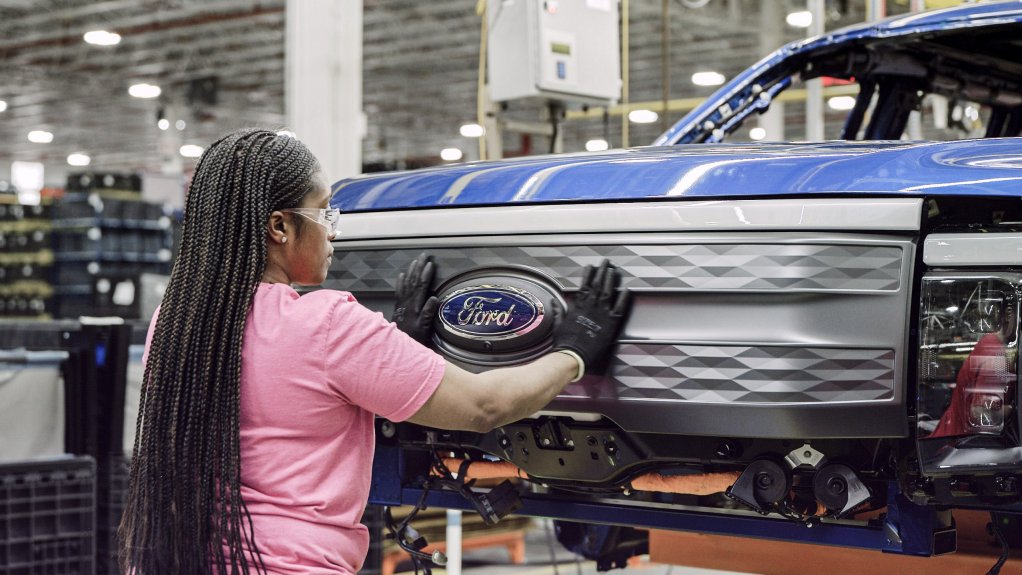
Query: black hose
x=995, y=526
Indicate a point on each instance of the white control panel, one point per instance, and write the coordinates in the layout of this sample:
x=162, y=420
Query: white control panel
x=559, y=49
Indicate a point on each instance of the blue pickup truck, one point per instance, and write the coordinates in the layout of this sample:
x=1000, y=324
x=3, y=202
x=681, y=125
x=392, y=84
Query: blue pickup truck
x=834, y=324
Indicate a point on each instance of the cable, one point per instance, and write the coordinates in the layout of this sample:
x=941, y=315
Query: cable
x=995, y=526
x=399, y=532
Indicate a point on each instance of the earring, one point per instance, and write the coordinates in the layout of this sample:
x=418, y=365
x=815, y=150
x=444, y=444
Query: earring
x=283, y=239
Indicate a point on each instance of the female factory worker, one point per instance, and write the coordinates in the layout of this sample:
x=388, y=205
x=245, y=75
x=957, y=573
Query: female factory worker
x=255, y=435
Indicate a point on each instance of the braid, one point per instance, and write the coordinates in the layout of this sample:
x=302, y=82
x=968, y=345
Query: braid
x=184, y=512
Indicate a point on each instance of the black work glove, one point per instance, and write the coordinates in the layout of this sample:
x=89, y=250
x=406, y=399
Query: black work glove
x=590, y=326
x=415, y=309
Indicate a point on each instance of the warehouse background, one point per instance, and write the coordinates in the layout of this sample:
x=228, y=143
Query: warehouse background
x=108, y=166
x=221, y=65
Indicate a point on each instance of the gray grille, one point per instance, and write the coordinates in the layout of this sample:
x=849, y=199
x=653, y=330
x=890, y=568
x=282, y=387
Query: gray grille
x=760, y=267
x=742, y=374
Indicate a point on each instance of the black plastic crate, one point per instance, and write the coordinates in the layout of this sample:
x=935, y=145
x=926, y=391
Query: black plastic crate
x=76, y=209
x=77, y=241
x=25, y=271
x=48, y=517
x=113, y=493
x=76, y=273
x=15, y=212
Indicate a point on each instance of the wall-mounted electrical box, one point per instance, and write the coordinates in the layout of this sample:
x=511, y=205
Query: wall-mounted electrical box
x=558, y=49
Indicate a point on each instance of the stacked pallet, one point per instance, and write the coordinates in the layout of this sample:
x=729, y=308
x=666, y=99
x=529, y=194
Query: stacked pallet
x=25, y=260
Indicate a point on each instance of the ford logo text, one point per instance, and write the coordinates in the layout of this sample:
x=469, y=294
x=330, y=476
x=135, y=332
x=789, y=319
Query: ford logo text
x=491, y=311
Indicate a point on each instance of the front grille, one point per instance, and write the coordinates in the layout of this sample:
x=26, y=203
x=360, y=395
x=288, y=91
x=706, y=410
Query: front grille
x=759, y=335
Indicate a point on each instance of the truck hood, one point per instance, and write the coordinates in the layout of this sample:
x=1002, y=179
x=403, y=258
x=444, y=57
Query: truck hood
x=961, y=168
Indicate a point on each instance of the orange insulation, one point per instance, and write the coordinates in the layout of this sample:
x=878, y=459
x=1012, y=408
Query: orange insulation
x=693, y=484
x=486, y=469
x=698, y=484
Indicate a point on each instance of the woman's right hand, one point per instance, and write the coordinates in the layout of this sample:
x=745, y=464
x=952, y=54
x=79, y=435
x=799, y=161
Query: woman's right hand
x=415, y=308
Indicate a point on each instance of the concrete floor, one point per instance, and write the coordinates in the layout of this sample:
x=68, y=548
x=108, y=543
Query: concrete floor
x=545, y=556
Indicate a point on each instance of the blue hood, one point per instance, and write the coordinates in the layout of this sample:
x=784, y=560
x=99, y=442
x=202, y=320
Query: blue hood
x=964, y=168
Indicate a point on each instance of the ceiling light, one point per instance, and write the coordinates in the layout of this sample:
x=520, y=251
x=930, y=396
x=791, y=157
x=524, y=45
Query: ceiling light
x=102, y=38
x=450, y=154
x=841, y=103
x=144, y=90
x=163, y=123
x=643, y=116
x=708, y=78
x=40, y=137
x=597, y=145
x=27, y=178
x=757, y=134
x=3, y=105
x=800, y=19
x=180, y=125
x=79, y=159
x=191, y=151
x=472, y=130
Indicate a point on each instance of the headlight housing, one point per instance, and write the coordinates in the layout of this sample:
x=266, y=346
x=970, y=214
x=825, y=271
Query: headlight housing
x=967, y=411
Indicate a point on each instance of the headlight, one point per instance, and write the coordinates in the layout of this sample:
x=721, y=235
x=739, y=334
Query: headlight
x=968, y=375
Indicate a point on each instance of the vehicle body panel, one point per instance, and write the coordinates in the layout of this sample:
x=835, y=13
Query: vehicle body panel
x=973, y=167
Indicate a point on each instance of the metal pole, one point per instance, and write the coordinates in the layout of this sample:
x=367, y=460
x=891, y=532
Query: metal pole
x=814, y=87
x=453, y=566
x=914, y=129
x=482, y=86
x=624, y=73
x=665, y=61
x=770, y=23
x=875, y=10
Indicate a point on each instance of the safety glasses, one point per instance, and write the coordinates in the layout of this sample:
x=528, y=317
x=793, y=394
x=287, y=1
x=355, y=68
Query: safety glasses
x=329, y=218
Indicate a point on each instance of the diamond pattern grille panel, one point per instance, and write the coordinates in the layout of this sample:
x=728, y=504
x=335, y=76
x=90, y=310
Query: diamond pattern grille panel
x=746, y=374
x=761, y=267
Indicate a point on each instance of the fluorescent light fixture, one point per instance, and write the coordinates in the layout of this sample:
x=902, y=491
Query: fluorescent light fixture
x=3, y=105
x=841, y=103
x=800, y=19
x=163, y=123
x=40, y=136
x=472, y=130
x=643, y=116
x=450, y=154
x=79, y=159
x=597, y=145
x=144, y=90
x=191, y=151
x=757, y=134
x=180, y=125
x=27, y=178
x=102, y=38
x=708, y=78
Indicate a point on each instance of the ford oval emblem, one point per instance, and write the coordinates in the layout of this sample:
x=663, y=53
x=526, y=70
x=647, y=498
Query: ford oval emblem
x=491, y=312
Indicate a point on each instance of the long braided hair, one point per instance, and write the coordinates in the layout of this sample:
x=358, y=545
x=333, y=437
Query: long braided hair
x=184, y=513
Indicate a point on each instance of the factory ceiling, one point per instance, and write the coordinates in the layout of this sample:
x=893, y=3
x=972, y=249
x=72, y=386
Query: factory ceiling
x=220, y=64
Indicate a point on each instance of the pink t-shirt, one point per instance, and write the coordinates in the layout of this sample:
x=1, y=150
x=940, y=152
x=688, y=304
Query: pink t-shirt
x=315, y=369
